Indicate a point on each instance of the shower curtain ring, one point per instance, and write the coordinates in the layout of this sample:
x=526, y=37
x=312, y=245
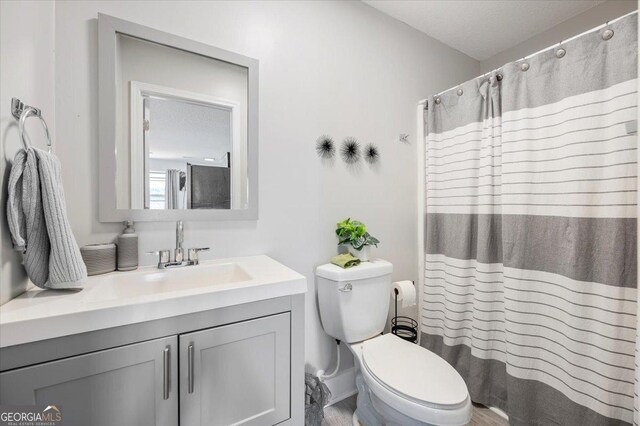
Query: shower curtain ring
x=608, y=32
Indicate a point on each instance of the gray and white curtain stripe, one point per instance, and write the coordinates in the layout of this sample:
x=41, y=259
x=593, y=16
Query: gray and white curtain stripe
x=530, y=285
x=172, y=193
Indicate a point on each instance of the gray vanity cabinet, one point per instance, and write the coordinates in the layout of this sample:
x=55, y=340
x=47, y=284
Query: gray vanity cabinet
x=236, y=365
x=237, y=374
x=130, y=385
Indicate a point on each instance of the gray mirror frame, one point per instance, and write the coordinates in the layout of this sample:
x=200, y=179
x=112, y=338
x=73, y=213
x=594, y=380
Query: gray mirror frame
x=108, y=27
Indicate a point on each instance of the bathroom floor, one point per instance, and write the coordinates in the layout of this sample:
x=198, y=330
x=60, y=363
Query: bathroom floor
x=340, y=414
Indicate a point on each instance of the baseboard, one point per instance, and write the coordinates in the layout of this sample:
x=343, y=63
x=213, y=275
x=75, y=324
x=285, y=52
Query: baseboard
x=342, y=386
x=499, y=412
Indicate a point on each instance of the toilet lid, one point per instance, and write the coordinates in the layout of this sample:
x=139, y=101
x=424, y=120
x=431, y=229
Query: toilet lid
x=413, y=371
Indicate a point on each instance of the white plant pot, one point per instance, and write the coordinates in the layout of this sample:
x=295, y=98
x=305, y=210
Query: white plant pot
x=363, y=254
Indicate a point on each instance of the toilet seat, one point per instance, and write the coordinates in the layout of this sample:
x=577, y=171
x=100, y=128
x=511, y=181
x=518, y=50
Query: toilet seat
x=414, y=381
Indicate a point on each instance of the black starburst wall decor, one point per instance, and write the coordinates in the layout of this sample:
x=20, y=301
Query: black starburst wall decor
x=325, y=147
x=350, y=150
x=371, y=154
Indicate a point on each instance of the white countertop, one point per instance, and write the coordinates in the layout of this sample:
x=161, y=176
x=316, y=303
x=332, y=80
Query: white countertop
x=148, y=293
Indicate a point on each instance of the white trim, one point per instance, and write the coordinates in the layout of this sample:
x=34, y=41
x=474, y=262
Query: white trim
x=146, y=193
x=342, y=385
x=137, y=153
x=420, y=144
x=342, y=397
x=140, y=90
x=499, y=412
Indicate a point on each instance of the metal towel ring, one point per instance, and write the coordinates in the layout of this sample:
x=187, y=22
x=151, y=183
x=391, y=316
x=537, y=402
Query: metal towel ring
x=26, y=140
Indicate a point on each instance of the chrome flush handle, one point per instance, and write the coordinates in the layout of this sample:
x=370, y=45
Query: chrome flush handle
x=347, y=287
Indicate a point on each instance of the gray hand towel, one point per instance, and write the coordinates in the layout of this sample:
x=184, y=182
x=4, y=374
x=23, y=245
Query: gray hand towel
x=38, y=223
x=26, y=217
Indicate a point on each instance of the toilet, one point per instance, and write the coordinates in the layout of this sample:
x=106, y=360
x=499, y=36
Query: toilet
x=399, y=383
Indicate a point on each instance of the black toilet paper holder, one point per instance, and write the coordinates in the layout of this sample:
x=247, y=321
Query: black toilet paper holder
x=404, y=327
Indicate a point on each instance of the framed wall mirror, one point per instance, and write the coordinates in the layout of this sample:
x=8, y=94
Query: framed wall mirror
x=178, y=127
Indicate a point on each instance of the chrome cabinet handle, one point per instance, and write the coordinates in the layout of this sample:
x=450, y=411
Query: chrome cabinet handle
x=190, y=367
x=347, y=287
x=166, y=368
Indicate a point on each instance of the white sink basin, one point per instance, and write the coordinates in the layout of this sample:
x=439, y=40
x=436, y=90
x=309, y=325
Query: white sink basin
x=155, y=281
x=121, y=298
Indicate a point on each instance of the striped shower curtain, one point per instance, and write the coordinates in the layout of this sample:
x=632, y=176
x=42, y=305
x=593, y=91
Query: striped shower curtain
x=530, y=286
x=173, y=195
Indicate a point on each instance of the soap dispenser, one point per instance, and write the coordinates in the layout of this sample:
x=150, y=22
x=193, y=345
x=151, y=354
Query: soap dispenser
x=128, y=248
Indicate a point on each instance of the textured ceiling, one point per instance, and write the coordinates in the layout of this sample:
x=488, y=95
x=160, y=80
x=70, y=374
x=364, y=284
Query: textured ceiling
x=482, y=29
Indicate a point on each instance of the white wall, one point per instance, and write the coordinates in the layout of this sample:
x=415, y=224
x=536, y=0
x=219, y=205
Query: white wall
x=592, y=18
x=27, y=72
x=340, y=68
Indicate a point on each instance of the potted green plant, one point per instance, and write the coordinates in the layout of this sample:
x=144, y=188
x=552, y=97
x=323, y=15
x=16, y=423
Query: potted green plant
x=353, y=234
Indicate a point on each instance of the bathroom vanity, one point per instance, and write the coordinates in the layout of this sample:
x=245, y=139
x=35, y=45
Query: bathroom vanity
x=215, y=344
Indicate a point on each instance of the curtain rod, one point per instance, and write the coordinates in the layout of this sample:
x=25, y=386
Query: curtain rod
x=424, y=101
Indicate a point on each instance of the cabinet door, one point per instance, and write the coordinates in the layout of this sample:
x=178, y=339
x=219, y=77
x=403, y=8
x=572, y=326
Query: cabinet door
x=130, y=385
x=236, y=374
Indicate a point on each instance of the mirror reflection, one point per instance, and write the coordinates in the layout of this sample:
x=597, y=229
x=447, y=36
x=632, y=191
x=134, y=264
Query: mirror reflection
x=188, y=154
x=182, y=127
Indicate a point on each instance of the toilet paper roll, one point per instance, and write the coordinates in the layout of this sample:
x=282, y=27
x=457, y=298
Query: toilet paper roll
x=406, y=293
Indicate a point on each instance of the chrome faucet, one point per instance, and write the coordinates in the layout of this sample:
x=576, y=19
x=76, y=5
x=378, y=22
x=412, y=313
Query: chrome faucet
x=179, y=253
x=164, y=256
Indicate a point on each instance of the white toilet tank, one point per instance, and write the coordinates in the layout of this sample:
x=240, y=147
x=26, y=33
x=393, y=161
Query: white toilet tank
x=354, y=302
